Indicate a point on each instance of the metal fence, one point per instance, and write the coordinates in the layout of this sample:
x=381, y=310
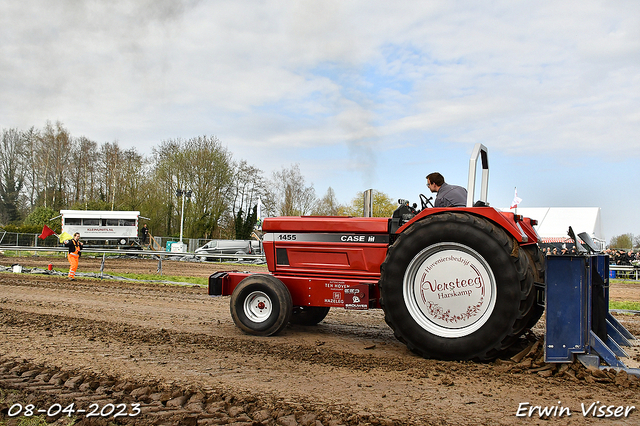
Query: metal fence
x=160, y=256
x=625, y=272
x=31, y=242
x=192, y=243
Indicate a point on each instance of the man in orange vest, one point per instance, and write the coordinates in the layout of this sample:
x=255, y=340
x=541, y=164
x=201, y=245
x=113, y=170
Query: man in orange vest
x=75, y=247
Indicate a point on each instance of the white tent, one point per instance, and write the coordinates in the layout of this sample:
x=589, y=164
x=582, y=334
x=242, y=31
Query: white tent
x=554, y=222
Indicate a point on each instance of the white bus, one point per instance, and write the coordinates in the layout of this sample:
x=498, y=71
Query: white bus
x=102, y=226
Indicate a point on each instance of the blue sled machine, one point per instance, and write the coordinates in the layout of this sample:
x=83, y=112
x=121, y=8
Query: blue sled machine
x=579, y=323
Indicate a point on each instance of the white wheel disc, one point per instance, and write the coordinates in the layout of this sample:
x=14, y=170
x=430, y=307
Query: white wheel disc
x=449, y=290
x=257, y=306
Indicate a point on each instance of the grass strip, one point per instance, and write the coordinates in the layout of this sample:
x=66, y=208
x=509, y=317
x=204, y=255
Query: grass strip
x=626, y=305
x=202, y=281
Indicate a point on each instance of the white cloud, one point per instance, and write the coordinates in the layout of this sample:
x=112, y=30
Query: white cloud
x=280, y=80
x=470, y=67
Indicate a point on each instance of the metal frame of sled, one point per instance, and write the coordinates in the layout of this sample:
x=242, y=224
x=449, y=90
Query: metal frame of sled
x=579, y=323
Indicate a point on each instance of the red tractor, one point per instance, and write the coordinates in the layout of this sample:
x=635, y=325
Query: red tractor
x=454, y=283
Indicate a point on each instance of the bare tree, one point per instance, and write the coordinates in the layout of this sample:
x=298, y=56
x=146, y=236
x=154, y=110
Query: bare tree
x=131, y=180
x=110, y=166
x=249, y=187
x=328, y=205
x=12, y=174
x=166, y=177
x=290, y=195
x=83, y=174
x=55, y=150
x=32, y=145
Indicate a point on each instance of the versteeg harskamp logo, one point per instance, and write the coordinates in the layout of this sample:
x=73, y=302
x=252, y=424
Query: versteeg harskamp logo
x=453, y=289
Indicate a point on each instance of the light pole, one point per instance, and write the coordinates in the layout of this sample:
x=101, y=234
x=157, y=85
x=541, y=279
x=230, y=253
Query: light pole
x=182, y=193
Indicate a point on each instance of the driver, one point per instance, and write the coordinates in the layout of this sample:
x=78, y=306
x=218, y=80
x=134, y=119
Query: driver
x=448, y=195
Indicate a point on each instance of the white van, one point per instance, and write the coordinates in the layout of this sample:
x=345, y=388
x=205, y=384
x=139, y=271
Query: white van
x=230, y=247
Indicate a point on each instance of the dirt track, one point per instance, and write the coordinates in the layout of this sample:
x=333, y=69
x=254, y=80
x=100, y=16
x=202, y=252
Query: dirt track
x=175, y=351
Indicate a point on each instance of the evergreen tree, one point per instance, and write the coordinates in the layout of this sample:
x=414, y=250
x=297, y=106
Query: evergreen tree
x=239, y=225
x=244, y=226
x=250, y=222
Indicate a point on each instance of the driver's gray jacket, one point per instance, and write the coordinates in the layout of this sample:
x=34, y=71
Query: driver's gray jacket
x=451, y=196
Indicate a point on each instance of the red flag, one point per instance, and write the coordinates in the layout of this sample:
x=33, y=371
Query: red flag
x=46, y=231
x=516, y=200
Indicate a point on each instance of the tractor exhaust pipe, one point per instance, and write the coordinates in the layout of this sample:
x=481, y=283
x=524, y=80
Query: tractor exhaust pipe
x=481, y=151
x=368, y=203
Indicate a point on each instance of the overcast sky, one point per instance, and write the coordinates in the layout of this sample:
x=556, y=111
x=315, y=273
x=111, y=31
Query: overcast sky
x=362, y=94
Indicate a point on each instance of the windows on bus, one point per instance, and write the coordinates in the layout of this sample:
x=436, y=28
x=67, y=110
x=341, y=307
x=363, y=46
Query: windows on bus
x=100, y=222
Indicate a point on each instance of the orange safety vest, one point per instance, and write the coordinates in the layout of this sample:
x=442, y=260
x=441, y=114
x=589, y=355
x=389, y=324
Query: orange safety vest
x=74, y=247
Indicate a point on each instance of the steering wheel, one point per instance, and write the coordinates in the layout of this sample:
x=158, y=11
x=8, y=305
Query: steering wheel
x=426, y=202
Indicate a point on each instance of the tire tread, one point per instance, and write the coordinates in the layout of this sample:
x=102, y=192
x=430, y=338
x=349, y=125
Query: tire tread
x=518, y=256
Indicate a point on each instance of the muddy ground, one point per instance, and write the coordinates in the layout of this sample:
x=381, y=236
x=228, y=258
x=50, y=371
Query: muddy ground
x=150, y=353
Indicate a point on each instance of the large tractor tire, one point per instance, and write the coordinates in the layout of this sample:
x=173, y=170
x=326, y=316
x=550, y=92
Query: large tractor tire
x=308, y=315
x=455, y=286
x=261, y=305
x=537, y=262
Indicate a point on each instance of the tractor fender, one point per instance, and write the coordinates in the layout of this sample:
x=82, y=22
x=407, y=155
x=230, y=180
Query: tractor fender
x=522, y=232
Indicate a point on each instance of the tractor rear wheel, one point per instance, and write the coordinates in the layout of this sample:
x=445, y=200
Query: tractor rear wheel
x=308, y=315
x=261, y=305
x=537, y=261
x=456, y=286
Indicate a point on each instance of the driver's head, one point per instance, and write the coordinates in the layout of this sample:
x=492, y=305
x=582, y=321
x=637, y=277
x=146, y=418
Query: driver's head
x=434, y=181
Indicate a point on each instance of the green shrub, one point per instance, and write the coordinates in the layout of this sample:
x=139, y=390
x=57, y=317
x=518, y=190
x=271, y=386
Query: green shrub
x=23, y=229
x=41, y=216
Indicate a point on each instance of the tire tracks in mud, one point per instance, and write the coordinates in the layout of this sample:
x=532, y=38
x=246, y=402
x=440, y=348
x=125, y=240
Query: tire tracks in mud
x=179, y=403
x=135, y=335
x=50, y=392
x=173, y=402
x=128, y=333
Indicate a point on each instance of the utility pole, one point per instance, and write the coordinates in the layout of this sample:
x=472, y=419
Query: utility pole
x=182, y=193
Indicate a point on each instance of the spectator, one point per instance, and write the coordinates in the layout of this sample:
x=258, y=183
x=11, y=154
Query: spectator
x=144, y=235
x=614, y=257
x=623, y=258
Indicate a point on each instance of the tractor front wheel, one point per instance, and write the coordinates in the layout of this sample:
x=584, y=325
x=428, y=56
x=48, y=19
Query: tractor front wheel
x=261, y=305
